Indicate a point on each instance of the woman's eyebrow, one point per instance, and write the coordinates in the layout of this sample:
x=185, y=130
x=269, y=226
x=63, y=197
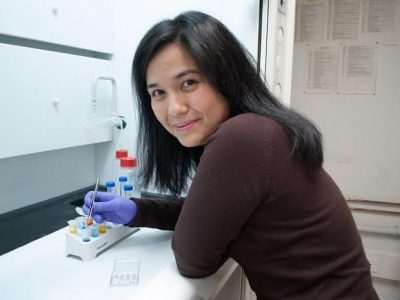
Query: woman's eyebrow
x=178, y=76
x=186, y=72
x=152, y=85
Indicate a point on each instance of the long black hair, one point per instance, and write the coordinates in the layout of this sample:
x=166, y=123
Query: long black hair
x=231, y=70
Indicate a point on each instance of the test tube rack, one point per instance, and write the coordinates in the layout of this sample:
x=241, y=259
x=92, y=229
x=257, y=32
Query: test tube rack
x=75, y=246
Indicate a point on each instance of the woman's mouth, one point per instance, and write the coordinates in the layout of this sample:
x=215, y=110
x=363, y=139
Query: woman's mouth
x=184, y=126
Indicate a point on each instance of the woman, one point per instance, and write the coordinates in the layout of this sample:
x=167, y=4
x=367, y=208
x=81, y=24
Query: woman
x=259, y=193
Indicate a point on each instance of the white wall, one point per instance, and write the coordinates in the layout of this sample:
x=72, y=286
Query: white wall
x=360, y=131
x=362, y=147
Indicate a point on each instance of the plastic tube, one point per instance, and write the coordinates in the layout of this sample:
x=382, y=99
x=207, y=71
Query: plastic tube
x=128, y=191
x=122, y=180
x=110, y=185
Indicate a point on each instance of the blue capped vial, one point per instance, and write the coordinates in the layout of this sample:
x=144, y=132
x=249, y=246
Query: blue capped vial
x=128, y=191
x=110, y=185
x=122, y=180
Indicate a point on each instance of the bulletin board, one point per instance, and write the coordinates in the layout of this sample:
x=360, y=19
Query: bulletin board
x=346, y=79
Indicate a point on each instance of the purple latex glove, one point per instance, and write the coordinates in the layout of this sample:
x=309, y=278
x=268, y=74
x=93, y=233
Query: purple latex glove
x=110, y=207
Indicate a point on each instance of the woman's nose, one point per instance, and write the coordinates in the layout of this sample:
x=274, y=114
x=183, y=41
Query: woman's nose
x=177, y=105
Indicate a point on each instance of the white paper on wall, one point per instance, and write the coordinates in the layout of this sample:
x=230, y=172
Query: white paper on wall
x=381, y=22
x=322, y=69
x=348, y=20
x=345, y=69
x=310, y=20
x=344, y=19
x=379, y=16
x=357, y=73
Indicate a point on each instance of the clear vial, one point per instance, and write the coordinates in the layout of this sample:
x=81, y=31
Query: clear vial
x=85, y=234
x=94, y=230
x=110, y=185
x=120, y=153
x=122, y=180
x=72, y=227
x=80, y=222
x=102, y=225
x=128, y=191
x=128, y=168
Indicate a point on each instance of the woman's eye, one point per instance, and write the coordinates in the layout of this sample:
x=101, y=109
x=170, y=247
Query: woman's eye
x=156, y=93
x=190, y=83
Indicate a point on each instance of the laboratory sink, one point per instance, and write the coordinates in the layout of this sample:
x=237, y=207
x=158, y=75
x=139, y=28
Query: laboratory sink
x=33, y=222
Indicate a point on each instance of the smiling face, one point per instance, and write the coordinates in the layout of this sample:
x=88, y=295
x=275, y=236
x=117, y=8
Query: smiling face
x=182, y=100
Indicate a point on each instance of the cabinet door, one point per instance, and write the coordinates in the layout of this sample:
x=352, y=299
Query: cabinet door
x=46, y=101
x=82, y=24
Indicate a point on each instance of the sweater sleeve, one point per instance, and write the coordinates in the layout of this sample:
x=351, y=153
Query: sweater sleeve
x=161, y=214
x=231, y=181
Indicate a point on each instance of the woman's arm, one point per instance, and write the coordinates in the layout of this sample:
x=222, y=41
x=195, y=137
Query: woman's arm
x=231, y=181
x=161, y=214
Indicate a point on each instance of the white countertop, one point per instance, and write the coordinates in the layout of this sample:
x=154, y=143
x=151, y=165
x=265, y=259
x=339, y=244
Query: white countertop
x=40, y=270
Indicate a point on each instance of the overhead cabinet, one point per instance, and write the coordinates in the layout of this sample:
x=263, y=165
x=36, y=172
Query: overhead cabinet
x=47, y=93
x=46, y=101
x=82, y=24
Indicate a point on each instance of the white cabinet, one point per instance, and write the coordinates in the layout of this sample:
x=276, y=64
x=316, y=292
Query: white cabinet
x=46, y=97
x=85, y=24
x=46, y=100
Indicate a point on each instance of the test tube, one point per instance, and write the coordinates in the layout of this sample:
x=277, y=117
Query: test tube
x=128, y=191
x=94, y=230
x=89, y=221
x=72, y=226
x=85, y=234
x=120, y=153
x=80, y=222
x=110, y=185
x=122, y=180
x=102, y=225
x=128, y=168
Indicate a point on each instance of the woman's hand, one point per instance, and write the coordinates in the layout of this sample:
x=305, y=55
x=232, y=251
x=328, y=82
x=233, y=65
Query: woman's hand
x=110, y=207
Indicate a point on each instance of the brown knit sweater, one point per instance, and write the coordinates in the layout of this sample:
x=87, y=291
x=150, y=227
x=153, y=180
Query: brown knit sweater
x=287, y=225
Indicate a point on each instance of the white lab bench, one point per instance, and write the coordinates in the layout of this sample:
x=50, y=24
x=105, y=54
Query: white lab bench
x=40, y=270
